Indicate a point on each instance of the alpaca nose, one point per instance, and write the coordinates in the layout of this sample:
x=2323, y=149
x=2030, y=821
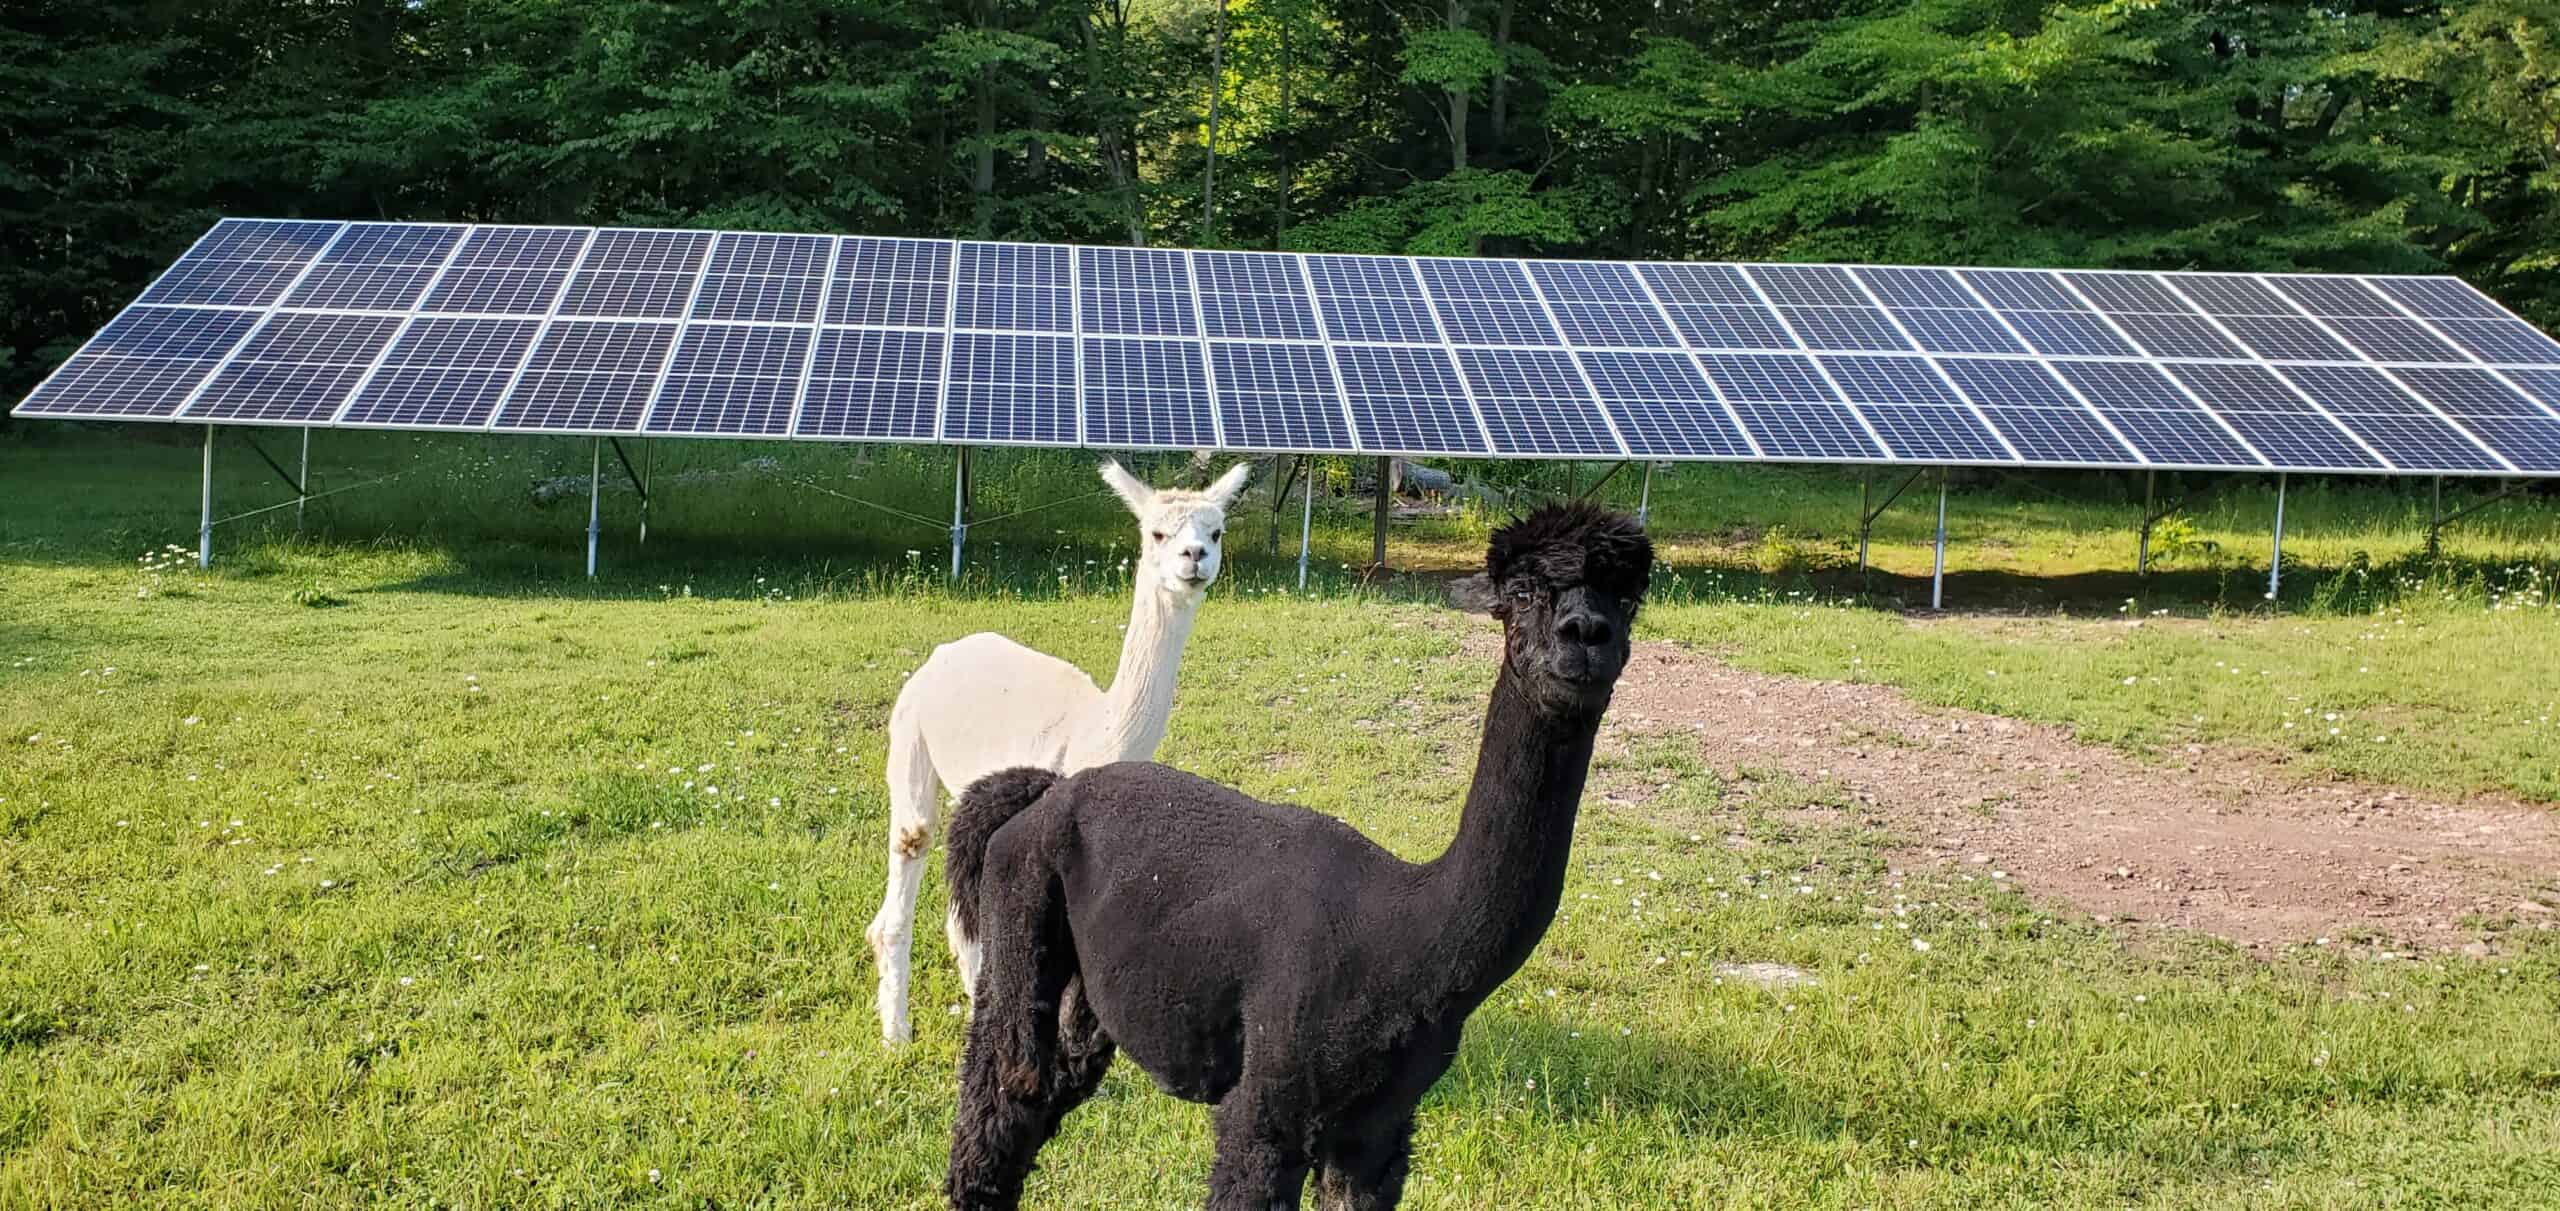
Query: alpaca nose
x=1584, y=628
x=1195, y=553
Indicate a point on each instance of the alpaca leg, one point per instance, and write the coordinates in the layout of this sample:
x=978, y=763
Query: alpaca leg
x=964, y=952
x=1083, y=1056
x=1261, y=1160
x=1362, y=1166
x=914, y=796
x=1016, y=1082
x=1362, y=1158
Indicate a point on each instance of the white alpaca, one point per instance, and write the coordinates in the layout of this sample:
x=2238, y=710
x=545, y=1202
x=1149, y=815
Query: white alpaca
x=986, y=703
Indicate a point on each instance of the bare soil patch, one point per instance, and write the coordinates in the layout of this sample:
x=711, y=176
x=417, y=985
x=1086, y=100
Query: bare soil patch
x=2225, y=842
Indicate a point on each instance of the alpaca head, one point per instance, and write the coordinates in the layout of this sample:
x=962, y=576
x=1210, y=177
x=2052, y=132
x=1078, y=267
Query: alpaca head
x=1566, y=582
x=1178, y=531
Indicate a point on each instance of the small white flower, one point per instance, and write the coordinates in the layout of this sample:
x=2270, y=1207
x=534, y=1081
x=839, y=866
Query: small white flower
x=1920, y=944
x=406, y=981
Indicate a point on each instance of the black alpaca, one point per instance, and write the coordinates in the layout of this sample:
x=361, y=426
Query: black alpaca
x=1265, y=958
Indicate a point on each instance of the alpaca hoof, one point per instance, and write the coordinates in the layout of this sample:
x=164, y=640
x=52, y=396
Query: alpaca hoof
x=894, y=1035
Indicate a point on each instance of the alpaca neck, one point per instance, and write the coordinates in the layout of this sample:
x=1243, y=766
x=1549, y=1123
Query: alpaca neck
x=1140, y=700
x=1490, y=897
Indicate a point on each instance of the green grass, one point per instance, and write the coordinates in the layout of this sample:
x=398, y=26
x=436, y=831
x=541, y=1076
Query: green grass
x=371, y=874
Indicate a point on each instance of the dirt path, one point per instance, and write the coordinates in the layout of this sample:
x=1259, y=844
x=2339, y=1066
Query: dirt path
x=2228, y=843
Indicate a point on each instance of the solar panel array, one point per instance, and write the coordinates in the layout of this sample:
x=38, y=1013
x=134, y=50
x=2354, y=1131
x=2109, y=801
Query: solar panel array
x=750, y=335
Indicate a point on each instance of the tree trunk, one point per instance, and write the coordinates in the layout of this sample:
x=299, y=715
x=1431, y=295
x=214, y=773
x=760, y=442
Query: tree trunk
x=1287, y=133
x=1457, y=121
x=1209, y=174
x=982, y=181
x=1497, y=114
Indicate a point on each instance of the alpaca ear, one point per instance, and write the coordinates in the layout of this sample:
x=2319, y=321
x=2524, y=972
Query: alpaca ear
x=1223, y=493
x=1132, y=493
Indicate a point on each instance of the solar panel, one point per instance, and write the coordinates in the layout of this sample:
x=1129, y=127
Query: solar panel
x=625, y=331
x=891, y=283
x=588, y=376
x=731, y=380
x=1258, y=295
x=1362, y=298
x=2154, y=416
x=873, y=385
x=1278, y=397
x=2037, y=413
x=2395, y=423
x=1146, y=393
x=1535, y=402
x=1407, y=400
x=2292, y=432
x=1014, y=288
x=1663, y=407
x=1014, y=388
x=1135, y=292
x=1916, y=413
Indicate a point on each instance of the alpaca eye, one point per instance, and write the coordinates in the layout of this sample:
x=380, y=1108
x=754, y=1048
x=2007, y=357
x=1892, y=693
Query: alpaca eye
x=1157, y=535
x=1215, y=535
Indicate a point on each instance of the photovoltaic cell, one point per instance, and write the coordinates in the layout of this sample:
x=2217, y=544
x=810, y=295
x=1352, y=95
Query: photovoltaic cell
x=1663, y=406
x=770, y=279
x=1371, y=299
x=293, y=241
x=1146, y=393
x=892, y=283
x=2153, y=414
x=205, y=283
x=1278, y=397
x=1014, y=287
x=1136, y=292
x=1787, y=408
x=1254, y=294
x=2504, y=419
x=2039, y=416
x=2292, y=434
x=2439, y=298
x=1407, y=401
x=873, y=385
x=296, y=369
x=1534, y=401
x=2389, y=419
x=1914, y=411
x=1011, y=388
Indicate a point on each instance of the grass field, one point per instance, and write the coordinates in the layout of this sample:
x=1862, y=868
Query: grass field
x=403, y=866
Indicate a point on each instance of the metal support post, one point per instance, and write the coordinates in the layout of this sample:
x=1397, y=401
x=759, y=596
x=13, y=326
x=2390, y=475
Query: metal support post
x=204, y=519
x=595, y=505
x=2435, y=517
x=1938, y=574
x=959, y=509
x=648, y=455
x=1386, y=499
x=2275, y=563
x=1306, y=524
x=1866, y=486
x=302, y=483
x=1644, y=498
x=2142, y=554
